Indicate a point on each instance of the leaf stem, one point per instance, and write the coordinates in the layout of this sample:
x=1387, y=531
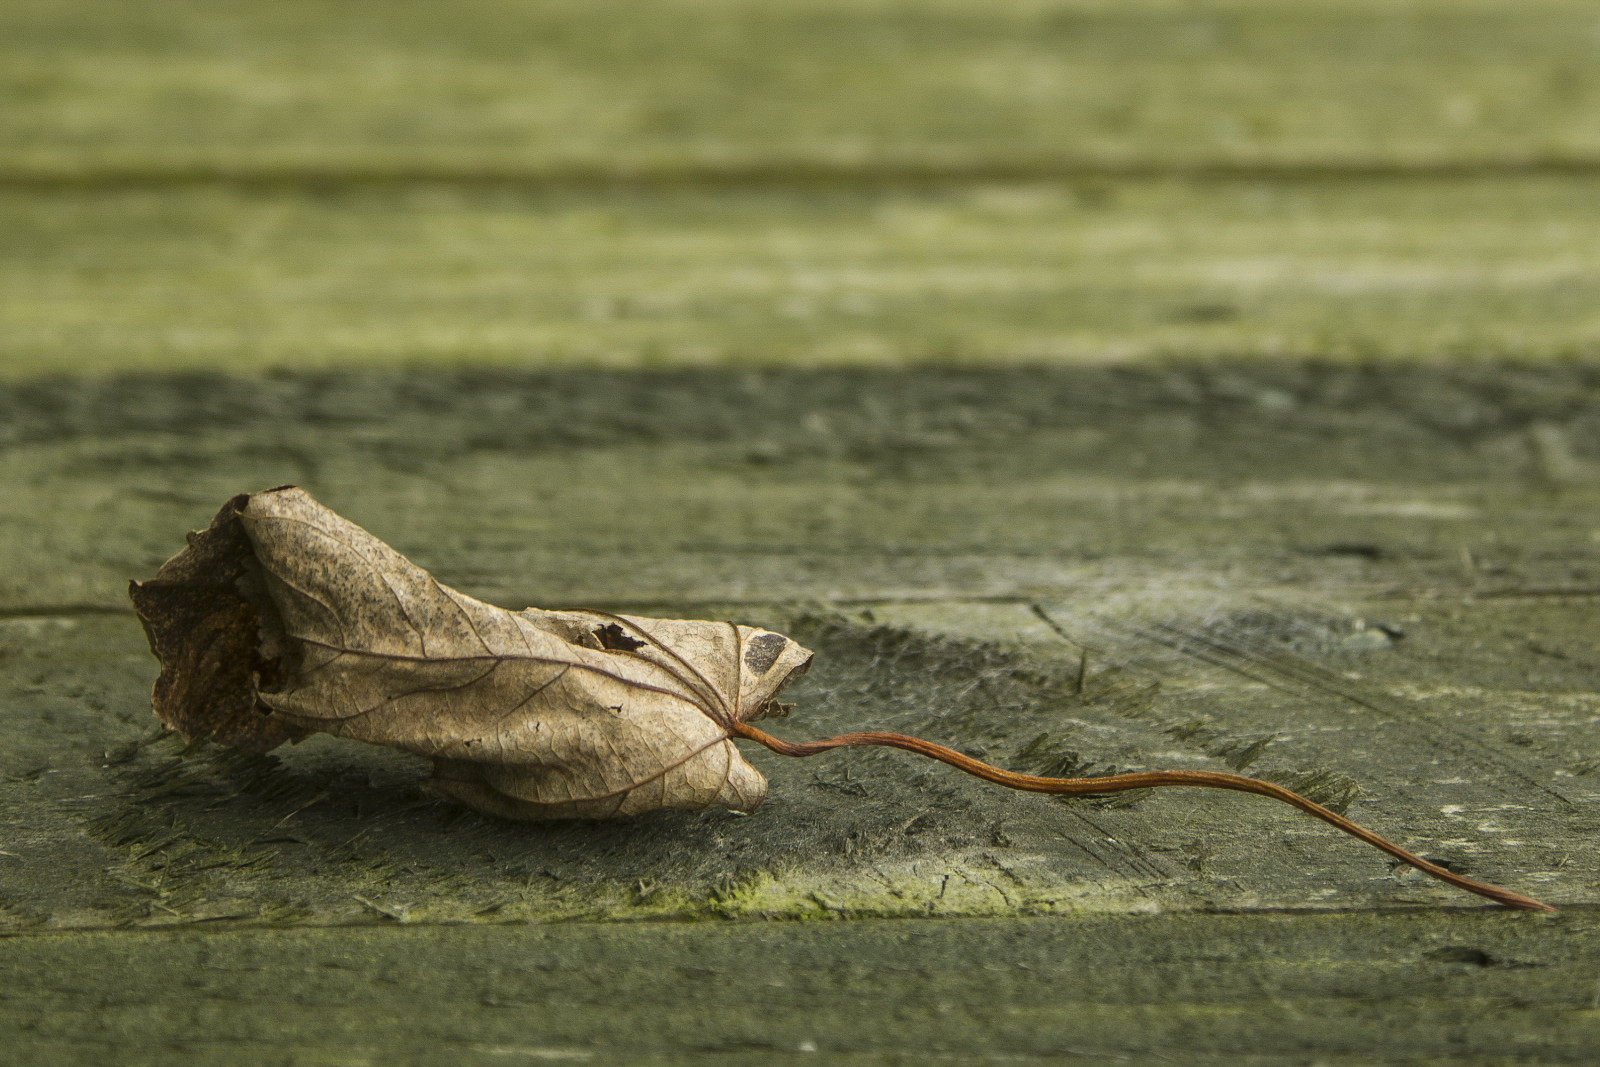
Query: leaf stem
x=1137, y=780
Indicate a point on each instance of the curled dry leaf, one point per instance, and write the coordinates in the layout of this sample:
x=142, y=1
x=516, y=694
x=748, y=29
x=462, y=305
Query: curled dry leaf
x=283, y=619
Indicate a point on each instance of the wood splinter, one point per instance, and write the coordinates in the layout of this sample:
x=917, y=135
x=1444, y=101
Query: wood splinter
x=283, y=619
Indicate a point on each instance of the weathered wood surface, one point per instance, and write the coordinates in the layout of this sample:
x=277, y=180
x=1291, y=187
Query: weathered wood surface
x=1345, y=989
x=1373, y=583
x=1296, y=534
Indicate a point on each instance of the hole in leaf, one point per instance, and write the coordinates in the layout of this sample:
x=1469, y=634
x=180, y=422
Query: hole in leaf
x=613, y=639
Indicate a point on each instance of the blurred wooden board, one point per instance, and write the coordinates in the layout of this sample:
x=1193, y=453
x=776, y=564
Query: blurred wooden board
x=823, y=88
x=193, y=185
x=177, y=278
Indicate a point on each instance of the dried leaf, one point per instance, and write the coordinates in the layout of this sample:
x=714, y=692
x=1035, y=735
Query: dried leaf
x=283, y=619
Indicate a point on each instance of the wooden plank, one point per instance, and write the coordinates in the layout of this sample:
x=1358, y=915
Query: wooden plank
x=222, y=279
x=186, y=88
x=1377, y=583
x=1214, y=989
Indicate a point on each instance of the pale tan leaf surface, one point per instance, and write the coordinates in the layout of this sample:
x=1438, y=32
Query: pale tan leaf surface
x=531, y=715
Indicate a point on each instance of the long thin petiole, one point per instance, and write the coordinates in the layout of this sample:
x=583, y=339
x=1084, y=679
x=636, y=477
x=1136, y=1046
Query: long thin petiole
x=1138, y=780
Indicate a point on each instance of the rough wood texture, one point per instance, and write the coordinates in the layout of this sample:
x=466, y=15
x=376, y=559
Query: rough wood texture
x=1374, y=585
x=1318, y=586
x=1214, y=990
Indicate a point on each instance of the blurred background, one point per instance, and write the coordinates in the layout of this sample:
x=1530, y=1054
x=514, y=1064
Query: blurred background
x=194, y=184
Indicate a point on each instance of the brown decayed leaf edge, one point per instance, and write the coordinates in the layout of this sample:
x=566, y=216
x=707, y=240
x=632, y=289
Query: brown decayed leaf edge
x=283, y=619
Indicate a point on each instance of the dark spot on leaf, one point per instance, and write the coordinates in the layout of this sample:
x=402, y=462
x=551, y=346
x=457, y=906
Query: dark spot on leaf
x=763, y=651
